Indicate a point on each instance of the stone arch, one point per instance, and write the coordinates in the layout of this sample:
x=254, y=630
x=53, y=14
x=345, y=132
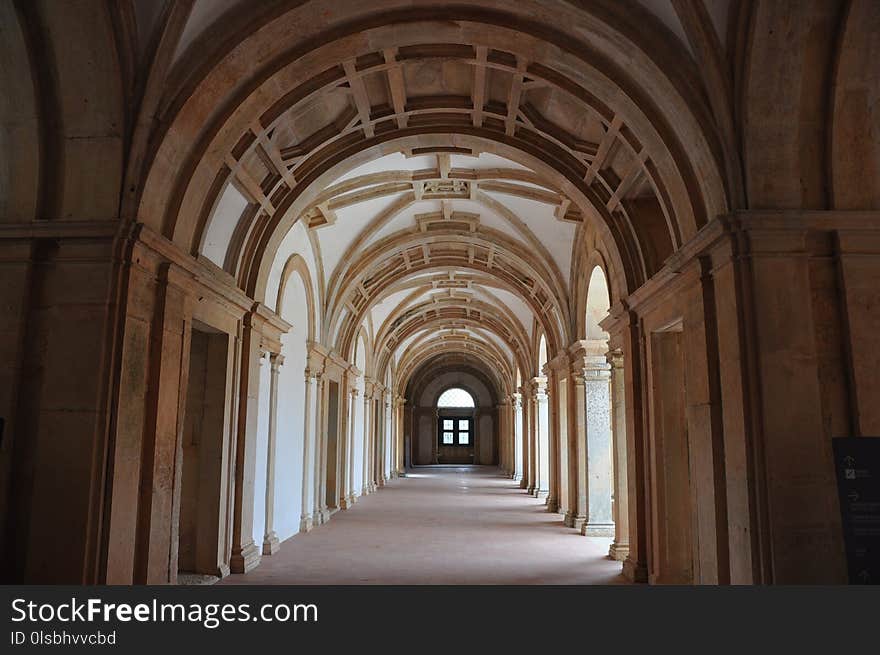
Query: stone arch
x=672, y=124
x=297, y=265
x=597, y=305
x=854, y=157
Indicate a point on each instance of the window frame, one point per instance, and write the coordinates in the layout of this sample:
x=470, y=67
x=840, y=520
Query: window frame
x=456, y=430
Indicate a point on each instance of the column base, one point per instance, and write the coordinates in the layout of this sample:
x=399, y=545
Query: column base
x=552, y=504
x=347, y=502
x=540, y=493
x=305, y=523
x=634, y=571
x=515, y=476
x=618, y=551
x=597, y=529
x=271, y=544
x=246, y=559
x=523, y=484
x=323, y=515
x=575, y=521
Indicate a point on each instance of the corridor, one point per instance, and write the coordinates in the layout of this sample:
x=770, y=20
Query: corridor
x=458, y=525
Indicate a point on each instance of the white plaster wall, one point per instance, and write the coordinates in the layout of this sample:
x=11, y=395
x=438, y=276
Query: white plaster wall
x=295, y=242
x=358, y=451
x=360, y=360
x=291, y=410
x=262, y=448
x=222, y=224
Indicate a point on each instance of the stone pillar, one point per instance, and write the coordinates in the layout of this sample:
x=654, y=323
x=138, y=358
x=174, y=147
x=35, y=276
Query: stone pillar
x=635, y=567
x=526, y=428
x=245, y=554
x=320, y=513
x=270, y=539
x=532, y=425
x=542, y=439
x=382, y=455
x=577, y=516
x=365, y=486
x=156, y=557
x=620, y=547
x=351, y=498
x=398, y=466
x=308, y=474
x=517, y=437
x=553, y=446
x=597, y=389
x=435, y=448
x=499, y=421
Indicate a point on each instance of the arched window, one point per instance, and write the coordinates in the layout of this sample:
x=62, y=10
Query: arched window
x=456, y=424
x=455, y=397
x=598, y=304
x=542, y=355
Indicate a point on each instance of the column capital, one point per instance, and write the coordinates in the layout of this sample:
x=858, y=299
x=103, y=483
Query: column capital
x=276, y=360
x=539, y=388
x=615, y=358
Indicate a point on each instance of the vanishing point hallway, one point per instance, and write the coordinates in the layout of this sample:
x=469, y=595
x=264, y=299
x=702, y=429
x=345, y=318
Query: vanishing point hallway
x=462, y=525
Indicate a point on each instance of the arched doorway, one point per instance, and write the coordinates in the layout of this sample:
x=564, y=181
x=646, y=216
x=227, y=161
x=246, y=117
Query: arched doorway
x=601, y=498
x=456, y=427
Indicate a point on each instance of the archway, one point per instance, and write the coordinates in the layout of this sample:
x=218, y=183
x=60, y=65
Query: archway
x=456, y=427
x=455, y=416
x=597, y=391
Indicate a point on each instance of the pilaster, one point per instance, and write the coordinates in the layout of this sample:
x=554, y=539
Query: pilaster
x=271, y=543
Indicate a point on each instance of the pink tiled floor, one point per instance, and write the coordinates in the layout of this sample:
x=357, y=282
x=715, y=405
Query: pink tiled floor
x=441, y=526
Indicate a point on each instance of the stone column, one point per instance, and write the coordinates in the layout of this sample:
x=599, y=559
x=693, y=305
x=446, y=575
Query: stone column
x=597, y=389
x=517, y=437
x=620, y=547
x=245, y=554
x=553, y=445
x=435, y=448
x=525, y=427
x=578, y=444
x=542, y=434
x=309, y=419
x=397, y=462
x=365, y=483
x=381, y=460
x=351, y=498
x=320, y=513
x=532, y=455
x=270, y=539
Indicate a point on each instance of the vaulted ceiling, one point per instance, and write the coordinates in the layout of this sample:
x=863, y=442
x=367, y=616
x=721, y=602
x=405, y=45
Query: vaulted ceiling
x=449, y=169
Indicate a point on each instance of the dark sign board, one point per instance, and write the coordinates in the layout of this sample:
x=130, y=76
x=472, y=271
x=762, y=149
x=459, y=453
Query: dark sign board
x=857, y=464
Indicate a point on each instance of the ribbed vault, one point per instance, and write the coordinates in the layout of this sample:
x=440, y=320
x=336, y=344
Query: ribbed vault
x=449, y=176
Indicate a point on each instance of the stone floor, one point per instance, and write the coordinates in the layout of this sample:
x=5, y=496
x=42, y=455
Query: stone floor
x=465, y=525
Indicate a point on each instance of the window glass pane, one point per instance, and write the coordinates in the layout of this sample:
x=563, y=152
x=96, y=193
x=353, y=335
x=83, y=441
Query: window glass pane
x=464, y=424
x=448, y=424
x=455, y=397
x=447, y=437
x=463, y=438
